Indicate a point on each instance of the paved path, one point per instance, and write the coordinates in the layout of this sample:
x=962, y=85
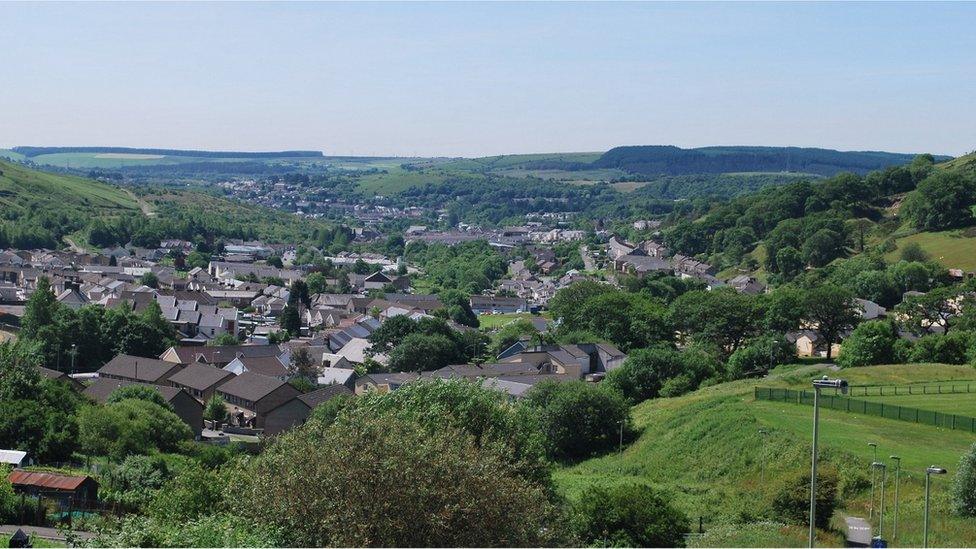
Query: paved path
x=858, y=532
x=41, y=532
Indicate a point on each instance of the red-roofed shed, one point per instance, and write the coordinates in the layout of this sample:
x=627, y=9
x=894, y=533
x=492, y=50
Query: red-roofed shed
x=54, y=485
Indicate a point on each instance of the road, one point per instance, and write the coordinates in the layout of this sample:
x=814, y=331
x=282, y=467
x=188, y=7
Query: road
x=588, y=263
x=858, y=532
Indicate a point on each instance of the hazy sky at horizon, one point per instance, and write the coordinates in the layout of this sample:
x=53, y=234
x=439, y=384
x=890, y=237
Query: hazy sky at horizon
x=479, y=79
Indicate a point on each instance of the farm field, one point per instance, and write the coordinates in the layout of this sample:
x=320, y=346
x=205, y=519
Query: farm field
x=953, y=249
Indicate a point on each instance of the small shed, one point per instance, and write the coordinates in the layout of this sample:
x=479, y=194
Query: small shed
x=54, y=485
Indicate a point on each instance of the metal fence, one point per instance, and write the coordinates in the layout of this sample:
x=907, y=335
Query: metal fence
x=880, y=409
x=938, y=388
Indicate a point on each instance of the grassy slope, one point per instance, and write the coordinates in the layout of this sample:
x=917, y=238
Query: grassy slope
x=965, y=163
x=20, y=186
x=705, y=448
x=951, y=248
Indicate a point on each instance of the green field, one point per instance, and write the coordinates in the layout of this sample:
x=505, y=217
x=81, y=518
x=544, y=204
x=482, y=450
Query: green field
x=397, y=179
x=38, y=542
x=490, y=322
x=20, y=186
x=951, y=248
x=960, y=404
x=705, y=449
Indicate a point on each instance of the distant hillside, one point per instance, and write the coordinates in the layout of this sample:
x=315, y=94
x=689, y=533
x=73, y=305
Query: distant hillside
x=31, y=152
x=670, y=160
x=966, y=163
x=24, y=188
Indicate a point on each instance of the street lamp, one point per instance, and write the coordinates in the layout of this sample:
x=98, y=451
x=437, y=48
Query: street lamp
x=931, y=470
x=818, y=384
x=884, y=477
x=74, y=352
x=620, y=449
x=894, y=526
x=874, y=446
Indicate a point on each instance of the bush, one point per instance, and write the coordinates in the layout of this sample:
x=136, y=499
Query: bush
x=578, y=419
x=131, y=426
x=952, y=348
x=646, y=371
x=964, y=485
x=378, y=480
x=139, y=392
x=791, y=499
x=216, y=409
x=134, y=482
x=759, y=355
x=627, y=515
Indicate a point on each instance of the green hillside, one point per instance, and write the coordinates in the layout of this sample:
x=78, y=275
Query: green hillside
x=706, y=450
x=21, y=187
x=965, y=163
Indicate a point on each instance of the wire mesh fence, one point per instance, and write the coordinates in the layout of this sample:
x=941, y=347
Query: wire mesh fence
x=866, y=407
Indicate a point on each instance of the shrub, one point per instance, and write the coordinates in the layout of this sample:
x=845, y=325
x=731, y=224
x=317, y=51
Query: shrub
x=791, y=499
x=578, y=419
x=134, y=482
x=139, y=392
x=379, y=480
x=627, y=515
x=964, y=485
x=131, y=426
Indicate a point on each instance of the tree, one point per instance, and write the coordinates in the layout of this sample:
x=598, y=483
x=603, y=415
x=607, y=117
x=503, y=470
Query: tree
x=913, y=251
x=419, y=352
x=566, y=303
x=629, y=321
x=822, y=247
x=627, y=515
x=391, y=333
x=921, y=313
x=722, y=318
x=941, y=201
x=39, y=311
x=133, y=483
x=460, y=495
x=644, y=373
x=578, y=419
x=964, y=485
x=510, y=333
x=275, y=261
x=458, y=305
x=302, y=366
x=945, y=349
x=290, y=321
x=759, y=355
x=223, y=339
x=870, y=343
x=790, y=262
x=299, y=294
x=316, y=283
x=830, y=310
x=149, y=279
x=215, y=409
x=196, y=259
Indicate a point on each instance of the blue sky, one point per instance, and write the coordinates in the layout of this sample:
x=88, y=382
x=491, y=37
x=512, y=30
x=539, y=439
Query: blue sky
x=479, y=79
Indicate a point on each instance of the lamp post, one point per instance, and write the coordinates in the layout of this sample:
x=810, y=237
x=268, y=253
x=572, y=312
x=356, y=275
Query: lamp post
x=929, y=471
x=818, y=384
x=874, y=446
x=74, y=352
x=894, y=525
x=884, y=477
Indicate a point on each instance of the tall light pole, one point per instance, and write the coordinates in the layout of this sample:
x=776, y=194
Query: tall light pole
x=894, y=525
x=929, y=471
x=762, y=456
x=74, y=352
x=620, y=449
x=874, y=446
x=884, y=477
x=818, y=384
